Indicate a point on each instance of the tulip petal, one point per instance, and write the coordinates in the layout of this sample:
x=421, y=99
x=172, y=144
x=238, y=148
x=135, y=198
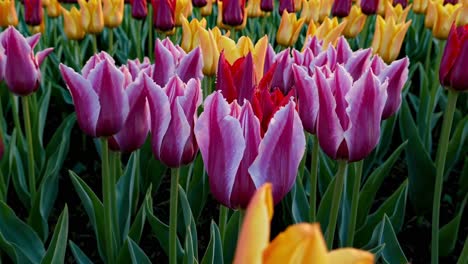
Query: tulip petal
x=164, y=64
x=397, y=74
x=254, y=236
x=358, y=63
x=93, y=61
x=350, y=256
x=222, y=145
x=280, y=152
x=308, y=98
x=41, y=55
x=366, y=101
x=33, y=40
x=191, y=66
x=225, y=80
x=85, y=99
x=244, y=76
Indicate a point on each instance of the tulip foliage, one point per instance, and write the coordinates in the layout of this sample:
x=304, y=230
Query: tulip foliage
x=233, y=131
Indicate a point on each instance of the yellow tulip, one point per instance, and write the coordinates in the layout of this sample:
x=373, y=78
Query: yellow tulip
x=397, y=12
x=53, y=9
x=388, y=38
x=325, y=9
x=300, y=243
x=220, y=19
x=354, y=22
x=183, y=9
x=72, y=24
x=420, y=6
x=289, y=29
x=297, y=5
x=92, y=18
x=209, y=50
x=383, y=6
x=431, y=13
x=190, y=38
x=445, y=16
x=207, y=9
x=9, y=17
x=253, y=8
x=113, y=12
x=310, y=10
x=329, y=31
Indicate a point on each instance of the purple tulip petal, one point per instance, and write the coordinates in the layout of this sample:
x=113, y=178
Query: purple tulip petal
x=41, y=55
x=341, y=83
x=397, y=74
x=192, y=99
x=344, y=51
x=358, y=63
x=191, y=66
x=280, y=152
x=85, y=99
x=308, y=98
x=164, y=64
x=93, y=61
x=222, y=145
x=33, y=40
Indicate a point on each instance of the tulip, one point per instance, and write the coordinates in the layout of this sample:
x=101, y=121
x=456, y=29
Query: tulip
x=355, y=22
x=113, y=12
x=452, y=2
x=139, y=9
x=302, y=242
x=190, y=37
x=200, y=3
x=341, y=8
x=310, y=10
x=420, y=6
x=253, y=8
x=173, y=110
x=10, y=18
x=53, y=9
x=183, y=10
x=452, y=71
x=2, y=62
x=92, y=18
x=279, y=74
x=289, y=29
x=238, y=160
x=445, y=16
x=72, y=24
x=329, y=31
x=233, y=12
x=136, y=127
x=382, y=6
x=207, y=9
x=431, y=13
x=287, y=5
x=297, y=5
x=33, y=13
x=209, y=49
x=325, y=9
x=20, y=58
x=370, y=7
x=99, y=95
x=135, y=67
x=267, y=5
x=397, y=12
x=164, y=14
x=403, y=3
x=170, y=60
x=388, y=38
x=220, y=17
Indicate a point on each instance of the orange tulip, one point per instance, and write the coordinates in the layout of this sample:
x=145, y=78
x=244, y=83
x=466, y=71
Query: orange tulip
x=444, y=17
x=289, y=29
x=113, y=12
x=8, y=11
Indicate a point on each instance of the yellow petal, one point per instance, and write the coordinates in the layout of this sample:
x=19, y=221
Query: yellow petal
x=350, y=256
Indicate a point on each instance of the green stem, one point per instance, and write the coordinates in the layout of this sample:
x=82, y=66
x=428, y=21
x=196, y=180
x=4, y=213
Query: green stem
x=16, y=120
x=354, y=203
x=428, y=56
x=95, y=48
x=464, y=254
x=111, y=40
x=335, y=207
x=136, y=190
x=27, y=126
x=138, y=39
x=223, y=213
x=150, y=33
x=313, y=178
x=440, y=165
x=173, y=215
x=241, y=220
x=108, y=184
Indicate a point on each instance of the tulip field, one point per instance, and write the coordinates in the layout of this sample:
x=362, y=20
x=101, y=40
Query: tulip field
x=234, y=131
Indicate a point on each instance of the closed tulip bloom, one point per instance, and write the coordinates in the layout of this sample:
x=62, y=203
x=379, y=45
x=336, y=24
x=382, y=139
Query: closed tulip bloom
x=92, y=18
x=299, y=243
x=289, y=29
x=355, y=22
x=190, y=37
x=341, y=8
x=200, y=3
x=370, y=7
x=238, y=159
x=382, y=6
x=135, y=67
x=173, y=111
x=139, y=9
x=233, y=12
x=19, y=58
x=287, y=5
x=297, y=5
x=310, y=10
x=33, y=13
x=9, y=17
x=397, y=12
x=170, y=60
x=99, y=95
x=329, y=31
x=267, y=5
x=431, y=13
x=237, y=81
x=54, y=9
x=230, y=15
x=72, y=24
x=403, y=3
x=253, y=8
x=452, y=73
x=136, y=127
x=113, y=12
x=209, y=50
x=445, y=16
x=164, y=14
x=420, y=6
x=183, y=10
x=388, y=38
x=325, y=9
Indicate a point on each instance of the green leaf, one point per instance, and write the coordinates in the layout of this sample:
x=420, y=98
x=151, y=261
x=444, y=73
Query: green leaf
x=132, y=253
x=17, y=171
x=300, y=205
x=58, y=245
x=463, y=182
x=138, y=224
x=79, y=255
x=448, y=234
x=198, y=190
x=457, y=147
x=18, y=239
x=231, y=234
x=188, y=220
x=125, y=197
x=189, y=256
x=214, y=251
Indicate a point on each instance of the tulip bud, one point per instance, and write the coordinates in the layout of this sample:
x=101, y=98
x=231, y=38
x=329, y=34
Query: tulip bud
x=207, y=9
x=369, y=7
x=183, y=10
x=445, y=16
x=289, y=29
x=420, y=6
x=254, y=9
x=329, y=31
x=233, y=12
x=452, y=73
x=397, y=12
x=200, y=3
x=72, y=24
x=139, y=9
x=341, y=8
x=33, y=13
x=209, y=49
x=8, y=11
x=190, y=37
x=310, y=10
x=164, y=14
x=325, y=9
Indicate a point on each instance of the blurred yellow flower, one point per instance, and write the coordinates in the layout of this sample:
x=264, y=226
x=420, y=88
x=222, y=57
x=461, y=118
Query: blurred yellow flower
x=325, y=9
x=39, y=28
x=253, y=8
x=72, y=24
x=53, y=9
x=354, y=22
x=183, y=9
x=289, y=29
x=297, y=5
x=420, y=6
x=190, y=37
x=445, y=16
x=310, y=10
x=92, y=18
x=397, y=12
x=8, y=11
x=329, y=31
x=299, y=243
x=388, y=38
x=113, y=12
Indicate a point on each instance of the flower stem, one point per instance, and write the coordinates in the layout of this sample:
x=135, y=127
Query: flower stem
x=108, y=184
x=16, y=120
x=223, y=213
x=313, y=178
x=335, y=207
x=138, y=39
x=95, y=48
x=173, y=215
x=354, y=203
x=27, y=126
x=111, y=40
x=440, y=165
x=428, y=56
x=150, y=32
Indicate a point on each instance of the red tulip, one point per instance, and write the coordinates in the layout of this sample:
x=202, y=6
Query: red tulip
x=33, y=12
x=164, y=14
x=341, y=8
x=266, y=5
x=452, y=71
x=139, y=9
x=19, y=65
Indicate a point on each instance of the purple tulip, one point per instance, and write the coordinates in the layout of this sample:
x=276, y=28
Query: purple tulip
x=341, y=8
x=139, y=9
x=403, y=3
x=101, y=101
x=164, y=14
x=287, y=5
x=170, y=60
x=233, y=12
x=282, y=77
x=135, y=67
x=238, y=160
x=452, y=73
x=369, y=7
x=347, y=109
x=33, y=13
x=266, y=5
x=173, y=111
x=2, y=60
x=20, y=66
x=200, y=3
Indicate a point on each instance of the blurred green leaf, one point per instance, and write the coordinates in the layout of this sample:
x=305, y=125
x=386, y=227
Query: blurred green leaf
x=231, y=234
x=448, y=234
x=124, y=197
x=300, y=205
x=188, y=220
x=58, y=245
x=198, y=190
x=17, y=171
x=189, y=256
x=457, y=147
x=214, y=251
x=79, y=255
